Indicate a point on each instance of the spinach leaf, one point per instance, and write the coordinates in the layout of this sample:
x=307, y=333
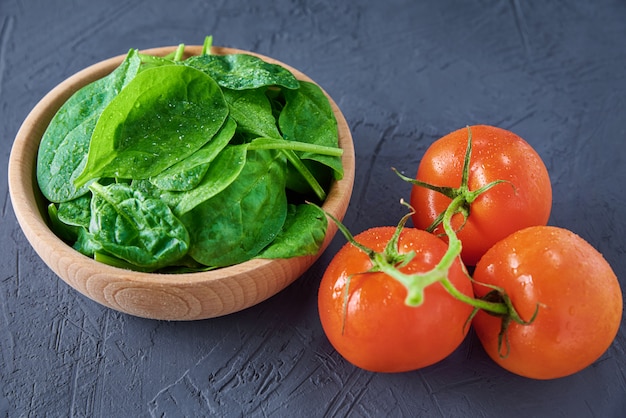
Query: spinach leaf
x=163, y=115
x=308, y=117
x=188, y=162
x=252, y=111
x=70, y=221
x=86, y=243
x=187, y=174
x=302, y=234
x=236, y=224
x=138, y=229
x=76, y=212
x=68, y=233
x=254, y=114
x=63, y=150
x=222, y=171
x=242, y=71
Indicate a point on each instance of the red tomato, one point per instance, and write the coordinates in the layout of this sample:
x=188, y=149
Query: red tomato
x=376, y=330
x=525, y=199
x=579, y=297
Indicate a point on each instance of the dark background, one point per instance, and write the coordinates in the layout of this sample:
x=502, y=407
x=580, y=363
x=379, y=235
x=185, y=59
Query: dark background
x=404, y=73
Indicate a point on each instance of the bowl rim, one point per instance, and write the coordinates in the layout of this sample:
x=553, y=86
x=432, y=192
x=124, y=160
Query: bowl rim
x=63, y=259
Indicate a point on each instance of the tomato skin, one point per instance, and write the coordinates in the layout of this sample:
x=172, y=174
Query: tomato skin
x=580, y=297
x=497, y=154
x=380, y=333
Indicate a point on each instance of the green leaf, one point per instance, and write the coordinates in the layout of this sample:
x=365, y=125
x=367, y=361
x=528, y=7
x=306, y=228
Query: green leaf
x=138, y=229
x=302, y=234
x=66, y=232
x=86, y=244
x=242, y=71
x=63, y=150
x=308, y=117
x=162, y=116
x=76, y=212
x=187, y=174
x=252, y=111
x=236, y=224
x=221, y=173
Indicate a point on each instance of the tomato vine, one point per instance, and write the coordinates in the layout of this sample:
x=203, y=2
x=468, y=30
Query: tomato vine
x=496, y=302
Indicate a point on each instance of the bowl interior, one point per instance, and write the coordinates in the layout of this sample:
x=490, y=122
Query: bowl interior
x=186, y=296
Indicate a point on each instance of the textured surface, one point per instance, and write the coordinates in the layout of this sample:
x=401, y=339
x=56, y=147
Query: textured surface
x=403, y=73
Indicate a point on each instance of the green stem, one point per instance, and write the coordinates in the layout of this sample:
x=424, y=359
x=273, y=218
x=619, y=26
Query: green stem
x=416, y=283
x=206, y=47
x=305, y=173
x=450, y=192
x=178, y=56
x=454, y=249
x=492, y=307
x=270, y=143
x=289, y=149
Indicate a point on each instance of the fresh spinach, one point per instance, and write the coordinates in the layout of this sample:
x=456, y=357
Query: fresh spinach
x=237, y=223
x=177, y=165
x=302, y=234
x=76, y=212
x=252, y=111
x=61, y=229
x=242, y=71
x=162, y=116
x=63, y=149
x=222, y=171
x=136, y=228
x=86, y=243
x=187, y=174
x=308, y=117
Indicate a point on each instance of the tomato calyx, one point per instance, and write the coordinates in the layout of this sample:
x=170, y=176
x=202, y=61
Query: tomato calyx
x=390, y=260
x=499, y=296
x=390, y=256
x=463, y=193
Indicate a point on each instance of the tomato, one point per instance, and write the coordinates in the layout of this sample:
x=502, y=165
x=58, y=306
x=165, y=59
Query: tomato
x=373, y=328
x=577, y=293
x=524, y=199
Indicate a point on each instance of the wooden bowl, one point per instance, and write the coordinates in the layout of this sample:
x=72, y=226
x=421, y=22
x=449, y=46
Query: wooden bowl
x=159, y=296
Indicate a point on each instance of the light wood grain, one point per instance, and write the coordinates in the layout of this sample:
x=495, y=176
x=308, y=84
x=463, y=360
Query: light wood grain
x=169, y=297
